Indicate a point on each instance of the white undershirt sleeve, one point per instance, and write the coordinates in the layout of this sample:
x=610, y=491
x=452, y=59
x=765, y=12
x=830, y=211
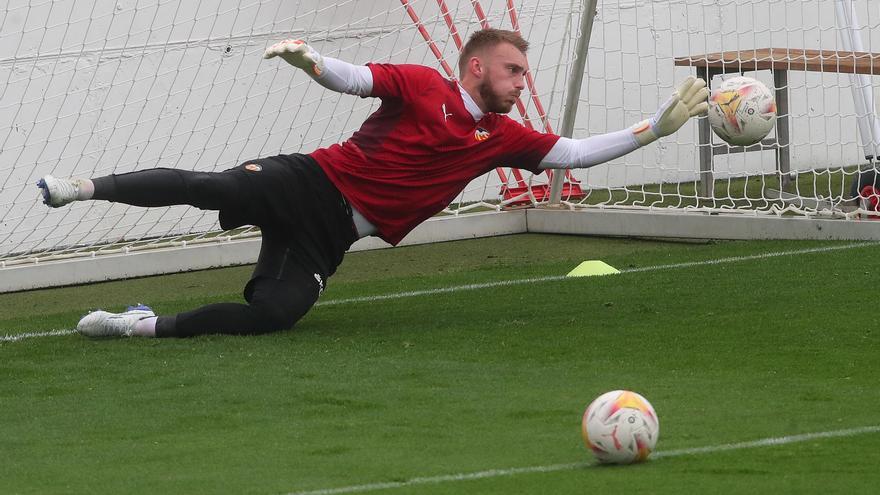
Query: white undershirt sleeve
x=344, y=77
x=583, y=153
x=351, y=79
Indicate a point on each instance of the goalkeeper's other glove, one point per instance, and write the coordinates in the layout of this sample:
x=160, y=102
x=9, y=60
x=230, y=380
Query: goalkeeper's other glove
x=298, y=54
x=689, y=100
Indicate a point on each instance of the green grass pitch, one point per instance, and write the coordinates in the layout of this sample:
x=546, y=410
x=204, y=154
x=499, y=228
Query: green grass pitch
x=415, y=394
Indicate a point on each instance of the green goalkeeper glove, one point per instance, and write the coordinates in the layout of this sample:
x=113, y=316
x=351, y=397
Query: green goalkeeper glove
x=689, y=100
x=298, y=54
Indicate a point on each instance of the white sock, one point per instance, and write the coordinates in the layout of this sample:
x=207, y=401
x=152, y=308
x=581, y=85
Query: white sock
x=86, y=189
x=145, y=327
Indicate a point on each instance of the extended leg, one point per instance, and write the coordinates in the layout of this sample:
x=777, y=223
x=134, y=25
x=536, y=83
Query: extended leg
x=274, y=305
x=155, y=187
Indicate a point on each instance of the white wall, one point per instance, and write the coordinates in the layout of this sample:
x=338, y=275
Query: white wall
x=630, y=71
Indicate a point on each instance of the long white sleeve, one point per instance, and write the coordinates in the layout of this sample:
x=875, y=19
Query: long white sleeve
x=583, y=153
x=344, y=77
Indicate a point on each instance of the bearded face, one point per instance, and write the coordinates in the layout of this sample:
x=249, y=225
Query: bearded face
x=498, y=101
x=502, y=78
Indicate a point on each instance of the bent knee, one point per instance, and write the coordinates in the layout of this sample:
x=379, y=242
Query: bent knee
x=275, y=317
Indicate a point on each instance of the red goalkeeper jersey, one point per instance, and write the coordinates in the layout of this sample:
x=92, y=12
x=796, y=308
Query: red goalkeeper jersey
x=419, y=150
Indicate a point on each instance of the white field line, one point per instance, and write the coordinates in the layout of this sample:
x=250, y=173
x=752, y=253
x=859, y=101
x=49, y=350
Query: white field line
x=442, y=290
x=556, y=278
x=521, y=281
x=21, y=336
x=494, y=473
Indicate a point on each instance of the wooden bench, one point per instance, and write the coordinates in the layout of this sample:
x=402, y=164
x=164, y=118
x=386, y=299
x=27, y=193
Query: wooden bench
x=779, y=61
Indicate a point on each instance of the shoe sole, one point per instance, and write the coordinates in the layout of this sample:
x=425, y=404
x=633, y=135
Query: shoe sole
x=44, y=189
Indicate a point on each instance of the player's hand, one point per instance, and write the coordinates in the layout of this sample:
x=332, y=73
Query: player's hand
x=689, y=100
x=298, y=54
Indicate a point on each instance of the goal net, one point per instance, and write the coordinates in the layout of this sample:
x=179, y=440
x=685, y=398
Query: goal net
x=822, y=55
x=94, y=87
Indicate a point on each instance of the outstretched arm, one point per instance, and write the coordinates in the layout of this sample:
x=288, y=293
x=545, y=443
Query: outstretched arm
x=331, y=73
x=687, y=101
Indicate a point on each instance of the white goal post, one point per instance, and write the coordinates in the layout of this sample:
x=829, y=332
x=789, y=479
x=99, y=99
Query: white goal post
x=93, y=87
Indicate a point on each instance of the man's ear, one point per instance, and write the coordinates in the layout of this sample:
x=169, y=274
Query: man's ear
x=475, y=67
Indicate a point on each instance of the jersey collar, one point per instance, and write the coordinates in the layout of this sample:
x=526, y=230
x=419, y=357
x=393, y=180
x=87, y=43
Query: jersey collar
x=470, y=104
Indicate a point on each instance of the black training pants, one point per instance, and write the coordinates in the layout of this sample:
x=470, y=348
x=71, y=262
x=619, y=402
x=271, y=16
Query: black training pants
x=306, y=227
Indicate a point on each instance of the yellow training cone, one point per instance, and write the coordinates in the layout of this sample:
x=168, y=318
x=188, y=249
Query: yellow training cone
x=592, y=267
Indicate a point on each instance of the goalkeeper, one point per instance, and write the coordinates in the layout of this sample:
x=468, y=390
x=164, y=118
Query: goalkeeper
x=429, y=138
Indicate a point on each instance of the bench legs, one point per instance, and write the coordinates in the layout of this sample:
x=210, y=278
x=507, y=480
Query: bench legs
x=706, y=187
x=783, y=156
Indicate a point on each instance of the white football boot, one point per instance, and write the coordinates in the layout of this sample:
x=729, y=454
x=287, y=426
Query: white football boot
x=58, y=192
x=104, y=324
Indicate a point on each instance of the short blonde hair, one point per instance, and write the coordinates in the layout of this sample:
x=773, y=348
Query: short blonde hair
x=487, y=38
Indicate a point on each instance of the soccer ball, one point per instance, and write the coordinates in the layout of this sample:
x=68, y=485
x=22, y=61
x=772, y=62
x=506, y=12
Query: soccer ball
x=742, y=111
x=620, y=427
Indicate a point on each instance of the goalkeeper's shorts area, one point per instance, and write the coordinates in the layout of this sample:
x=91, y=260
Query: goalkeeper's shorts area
x=104, y=324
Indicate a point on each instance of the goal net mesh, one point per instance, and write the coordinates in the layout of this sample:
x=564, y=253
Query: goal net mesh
x=632, y=69
x=94, y=87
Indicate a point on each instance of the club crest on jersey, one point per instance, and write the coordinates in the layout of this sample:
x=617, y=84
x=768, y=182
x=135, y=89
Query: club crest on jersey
x=481, y=134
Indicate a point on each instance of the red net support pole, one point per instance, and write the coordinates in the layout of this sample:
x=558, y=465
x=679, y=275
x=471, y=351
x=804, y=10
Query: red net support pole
x=481, y=15
x=520, y=107
x=452, y=29
x=427, y=37
x=449, y=72
x=574, y=188
x=530, y=81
